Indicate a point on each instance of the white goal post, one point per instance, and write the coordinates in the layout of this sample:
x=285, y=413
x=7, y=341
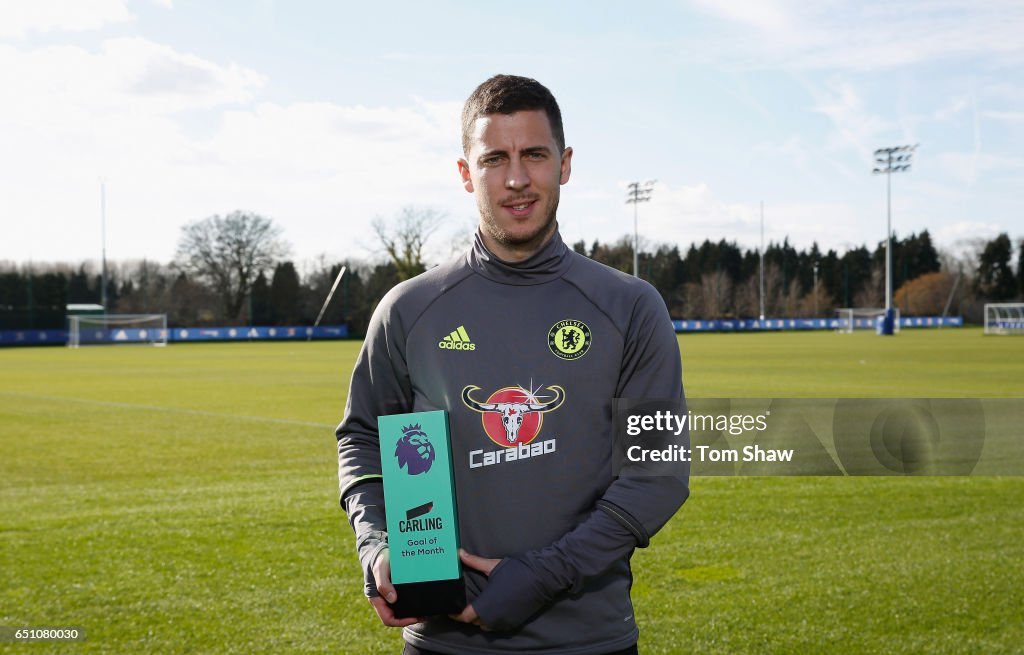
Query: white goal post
x=849, y=319
x=105, y=329
x=1004, y=318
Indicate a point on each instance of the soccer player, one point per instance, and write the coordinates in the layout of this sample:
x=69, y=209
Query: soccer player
x=526, y=344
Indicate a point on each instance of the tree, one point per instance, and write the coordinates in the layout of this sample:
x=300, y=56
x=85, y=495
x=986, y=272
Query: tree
x=716, y=292
x=618, y=255
x=262, y=310
x=405, y=238
x=925, y=295
x=872, y=293
x=78, y=288
x=348, y=302
x=774, y=292
x=816, y=302
x=748, y=298
x=285, y=292
x=664, y=268
x=995, y=277
x=1020, y=269
x=857, y=272
x=228, y=252
x=919, y=255
x=378, y=282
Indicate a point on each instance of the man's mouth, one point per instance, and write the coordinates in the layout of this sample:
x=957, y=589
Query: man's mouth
x=520, y=208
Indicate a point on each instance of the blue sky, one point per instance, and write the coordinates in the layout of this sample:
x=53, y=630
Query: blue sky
x=325, y=115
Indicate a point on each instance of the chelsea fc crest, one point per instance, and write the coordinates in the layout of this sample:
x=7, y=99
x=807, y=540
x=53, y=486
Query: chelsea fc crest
x=569, y=339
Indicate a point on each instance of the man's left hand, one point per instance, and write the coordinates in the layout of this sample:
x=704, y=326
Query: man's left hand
x=485, y=565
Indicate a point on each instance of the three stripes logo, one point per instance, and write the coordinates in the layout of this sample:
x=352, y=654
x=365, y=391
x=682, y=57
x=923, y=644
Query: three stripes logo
x=457, y=340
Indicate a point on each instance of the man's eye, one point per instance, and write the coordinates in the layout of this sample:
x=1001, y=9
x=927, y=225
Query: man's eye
x=536, y=156
x=491, y=161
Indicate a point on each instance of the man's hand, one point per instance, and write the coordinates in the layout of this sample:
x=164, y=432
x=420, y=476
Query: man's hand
x=485, y=566
x=382, y=574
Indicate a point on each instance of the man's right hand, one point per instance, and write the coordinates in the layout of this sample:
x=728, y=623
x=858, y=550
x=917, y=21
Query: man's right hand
x=382, y=575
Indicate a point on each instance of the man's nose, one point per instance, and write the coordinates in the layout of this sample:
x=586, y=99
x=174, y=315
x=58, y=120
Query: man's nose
x=518, y=177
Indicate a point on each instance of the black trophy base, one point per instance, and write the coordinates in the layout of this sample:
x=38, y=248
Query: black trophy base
x=424, y=599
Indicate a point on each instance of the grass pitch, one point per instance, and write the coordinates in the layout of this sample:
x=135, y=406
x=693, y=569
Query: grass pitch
x=184, y=500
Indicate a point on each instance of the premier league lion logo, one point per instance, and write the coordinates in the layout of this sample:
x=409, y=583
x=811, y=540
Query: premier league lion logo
x=414, y=451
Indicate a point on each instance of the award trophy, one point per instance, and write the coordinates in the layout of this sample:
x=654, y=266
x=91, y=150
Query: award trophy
x=419, y=498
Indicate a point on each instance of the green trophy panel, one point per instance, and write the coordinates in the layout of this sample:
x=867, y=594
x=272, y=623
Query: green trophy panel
x=419, y=497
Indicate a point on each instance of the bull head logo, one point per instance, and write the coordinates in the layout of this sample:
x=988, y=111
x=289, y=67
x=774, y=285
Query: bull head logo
x=513, y=411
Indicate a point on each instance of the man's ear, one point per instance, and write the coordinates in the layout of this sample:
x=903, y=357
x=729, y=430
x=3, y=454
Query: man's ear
x=467, y=181
x=566, y=166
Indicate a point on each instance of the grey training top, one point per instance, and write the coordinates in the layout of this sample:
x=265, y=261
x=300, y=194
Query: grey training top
x=526, y=358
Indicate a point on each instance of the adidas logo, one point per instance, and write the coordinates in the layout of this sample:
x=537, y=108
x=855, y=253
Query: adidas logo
x=457, y=340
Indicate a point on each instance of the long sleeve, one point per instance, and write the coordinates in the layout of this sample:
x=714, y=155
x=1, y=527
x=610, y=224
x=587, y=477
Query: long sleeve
x=651, y=370
x=632, y=509
x=364, y=505
x=380, y=385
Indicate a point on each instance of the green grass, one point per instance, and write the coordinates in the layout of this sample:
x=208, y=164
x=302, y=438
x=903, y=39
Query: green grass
x=184, y=500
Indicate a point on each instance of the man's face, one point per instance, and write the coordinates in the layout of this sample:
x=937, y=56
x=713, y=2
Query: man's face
x=515, y=169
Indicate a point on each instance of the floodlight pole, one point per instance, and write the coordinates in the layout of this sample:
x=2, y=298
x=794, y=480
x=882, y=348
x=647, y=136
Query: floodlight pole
x=888, y=237
x=887, y=161
x=103, y=237
x=635, y=194
x=814, y=290
x=761, y=269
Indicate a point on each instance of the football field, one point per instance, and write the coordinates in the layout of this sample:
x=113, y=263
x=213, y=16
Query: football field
x=184, y=500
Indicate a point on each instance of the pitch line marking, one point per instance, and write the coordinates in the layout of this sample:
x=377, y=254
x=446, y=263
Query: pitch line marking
x=171, y=410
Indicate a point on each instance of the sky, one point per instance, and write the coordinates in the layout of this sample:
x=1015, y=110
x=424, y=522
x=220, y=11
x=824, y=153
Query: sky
x=326, y=115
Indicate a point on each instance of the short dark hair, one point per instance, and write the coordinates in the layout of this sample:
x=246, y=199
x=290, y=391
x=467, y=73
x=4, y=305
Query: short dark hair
x=507, y=94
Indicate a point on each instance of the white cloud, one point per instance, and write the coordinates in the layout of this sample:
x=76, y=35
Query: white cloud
x=963, y=231
x=20, y=18
x=968, y=167
x=1004, y=92
x=855, y=126
x=125, y=113
x=762, y=14
x=863, y=36
x=1008, y=116
x=54, y=87
x=681, y=215
x=180, y=136
x=952, y=109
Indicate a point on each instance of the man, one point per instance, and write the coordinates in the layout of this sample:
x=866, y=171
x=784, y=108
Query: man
x=525, y=343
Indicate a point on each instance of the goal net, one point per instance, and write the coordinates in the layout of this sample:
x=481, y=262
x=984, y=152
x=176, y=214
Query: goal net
x=849, y=319
x=1004, y=318
x=147, y=329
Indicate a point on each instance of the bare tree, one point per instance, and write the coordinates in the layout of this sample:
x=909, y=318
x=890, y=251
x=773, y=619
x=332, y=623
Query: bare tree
x=405, y=238
x=693, y=300
x=146, y=287
x=791, y=299
x=748, y=298
x=816, y=303
x=461, y=238
x=228, y=252
x=774, y=296
x=872, y=294
x=716, y=292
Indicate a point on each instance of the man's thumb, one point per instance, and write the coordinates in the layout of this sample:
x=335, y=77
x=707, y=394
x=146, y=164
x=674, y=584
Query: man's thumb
x=475, y=562
x=382, y=574
x=387, y=590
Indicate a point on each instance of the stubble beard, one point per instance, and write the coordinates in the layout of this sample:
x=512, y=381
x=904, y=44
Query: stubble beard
x=524, y=243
